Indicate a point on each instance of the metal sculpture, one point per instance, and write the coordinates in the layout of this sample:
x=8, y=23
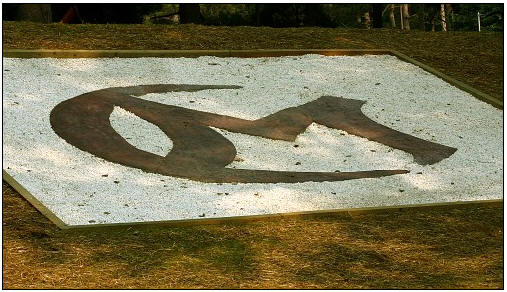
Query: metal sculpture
x=202, y=154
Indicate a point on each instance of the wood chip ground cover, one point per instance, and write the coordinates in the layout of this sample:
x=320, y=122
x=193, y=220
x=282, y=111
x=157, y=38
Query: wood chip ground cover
x=82, y=189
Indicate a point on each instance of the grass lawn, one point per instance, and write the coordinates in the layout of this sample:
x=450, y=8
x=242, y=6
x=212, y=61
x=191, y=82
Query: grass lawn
x=419, y=248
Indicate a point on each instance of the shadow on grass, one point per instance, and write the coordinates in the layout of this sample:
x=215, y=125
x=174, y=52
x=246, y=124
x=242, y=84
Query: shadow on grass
x=142, y=251
x=454, y=248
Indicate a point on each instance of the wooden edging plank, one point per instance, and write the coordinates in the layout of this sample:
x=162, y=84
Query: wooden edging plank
x=353, y=212
x=245, y=219
x=27, y=53
x=461, y=85
x=286, y=52
x=32, y=200
x=112, y=53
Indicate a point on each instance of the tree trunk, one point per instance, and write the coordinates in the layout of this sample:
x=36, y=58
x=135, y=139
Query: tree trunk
x=190, y=13
x=422, y=13
x=34, y=12
x=392, y=20
x=72, y=15
x=377, y=15
x=442, y=17
x=367, y=20
x=401, y=16
x=257, y=14
x=450, y=22
x=406, y=15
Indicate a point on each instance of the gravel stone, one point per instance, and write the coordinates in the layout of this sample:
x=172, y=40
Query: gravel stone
x=410, y=100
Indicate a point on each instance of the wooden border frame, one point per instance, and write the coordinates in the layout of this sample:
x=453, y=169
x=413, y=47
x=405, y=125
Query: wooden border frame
x=243, y=54
x=33, y=200
x=21, y=53
x=352, y=212
x=461, y=85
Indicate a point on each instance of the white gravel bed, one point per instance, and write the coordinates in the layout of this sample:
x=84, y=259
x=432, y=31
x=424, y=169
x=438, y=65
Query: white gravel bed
x=74, y=186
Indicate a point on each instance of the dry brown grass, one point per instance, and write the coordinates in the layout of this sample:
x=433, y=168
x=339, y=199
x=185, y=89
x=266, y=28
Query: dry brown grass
x=456, y=248
x=471, y=57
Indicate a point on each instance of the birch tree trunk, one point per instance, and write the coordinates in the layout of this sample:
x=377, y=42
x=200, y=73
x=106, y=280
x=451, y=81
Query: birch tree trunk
x=392, y=20
x=367, y=20
x=442, y=17
x=401, y=16
x=406, y=15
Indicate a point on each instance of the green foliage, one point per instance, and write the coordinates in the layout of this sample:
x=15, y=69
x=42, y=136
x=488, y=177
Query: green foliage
x=293, y=15
x=9, y=11
x=422, y=16
x=491, y=16
x=228, y=14
x=346, y=15
x=157, y=16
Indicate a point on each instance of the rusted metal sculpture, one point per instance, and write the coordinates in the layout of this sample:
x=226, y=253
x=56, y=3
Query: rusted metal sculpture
x=202, y=154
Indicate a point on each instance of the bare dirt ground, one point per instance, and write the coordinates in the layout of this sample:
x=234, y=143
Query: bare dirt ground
x=439, y=248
